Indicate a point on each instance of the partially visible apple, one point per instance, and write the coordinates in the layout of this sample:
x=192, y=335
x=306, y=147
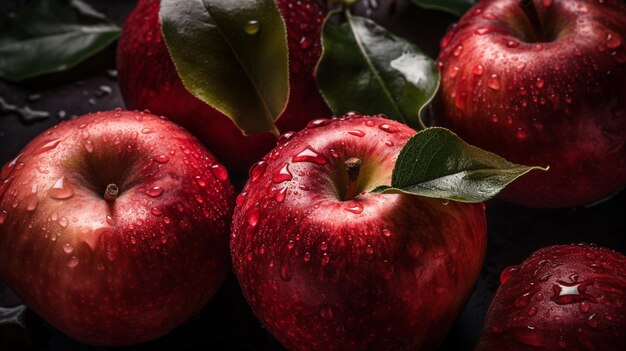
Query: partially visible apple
x=327, y=265
x=114, y=226
x=564, y=297
x=551, y=93
x=148, y=80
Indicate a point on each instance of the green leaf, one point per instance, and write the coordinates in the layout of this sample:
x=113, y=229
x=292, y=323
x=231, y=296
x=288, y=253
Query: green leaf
x=455, y=7
x=48, y=36
x=232, y=55
x=365, y=68
x=436, y=163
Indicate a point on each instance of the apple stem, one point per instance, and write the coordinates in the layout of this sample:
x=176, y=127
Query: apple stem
x=110, y=194
x=353, y=166
x=528, y=6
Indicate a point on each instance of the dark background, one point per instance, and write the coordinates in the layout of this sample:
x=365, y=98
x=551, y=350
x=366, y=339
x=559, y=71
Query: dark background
x=227, y=323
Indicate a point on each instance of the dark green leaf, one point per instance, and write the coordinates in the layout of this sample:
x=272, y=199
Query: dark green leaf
x=365, y=68
x=49, y=36
x=232, y=55
x=455, y=7
x=437, y=163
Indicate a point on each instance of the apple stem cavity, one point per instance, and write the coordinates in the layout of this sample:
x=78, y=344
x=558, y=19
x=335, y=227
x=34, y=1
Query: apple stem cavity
x=111, y=192
x=528, y=6
x=353, y=166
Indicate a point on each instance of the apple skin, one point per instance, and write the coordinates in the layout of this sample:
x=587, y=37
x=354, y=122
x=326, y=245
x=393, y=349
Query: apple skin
x=378, y=272
x=148, y=80
x=537, y=308
x=560, y=103
x=122, y=272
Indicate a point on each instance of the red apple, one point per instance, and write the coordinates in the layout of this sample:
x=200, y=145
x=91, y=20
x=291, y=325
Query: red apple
x=327, y=265
x=564, y=297
x=551, y=93
x=148, y=80
x=114, y=226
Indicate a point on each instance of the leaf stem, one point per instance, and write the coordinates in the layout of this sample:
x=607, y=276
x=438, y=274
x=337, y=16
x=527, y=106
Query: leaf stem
x=528, y=6
x=353, y=166
x=111, y=193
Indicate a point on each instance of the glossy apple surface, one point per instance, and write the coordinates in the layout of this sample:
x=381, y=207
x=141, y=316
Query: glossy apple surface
x=148, y=80
x=375, y=272
x=564, y=297
x=559, y=102
x=112, y=270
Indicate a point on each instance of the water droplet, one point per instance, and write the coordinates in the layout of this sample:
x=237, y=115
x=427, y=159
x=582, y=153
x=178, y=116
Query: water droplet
x=453, y=72
x=482, y=31
x=388, y=128
x=200, y=181
x=310, y=155
x=522, y=301
x=162, y=159
x=326, y=312
x=9, y=168
x=592, y=322
x=334, y=153
x=386, y=233
x=68, y=249
x=538, y=47
x=147, y=131
x=252, y=27
x=88, y=145
x=241, y=198
x=357, y=133
x=512, y=44
x=507, y=274
x=61, y=190
x=291, y=244
x=110, y=220
x=281, y=194
x=155, y=211
x=285, y=136
x=73, y=262
x=285, y=272
x=355, y=208
x=324, y=246
x=389, y=143
x=325, y=259
x=32, y=203
x=283, y=175
x=478, y=70
x=253, y=217
x=257, y=170
x=521, y=133
x=3, y=216
x=584, y=307
x=47, y=146
x=532, y=311
x=318, y=123
x=154, y=191
x=63, y=222
x=457, y=51
x=494, y=82
x=539, y=82
x=445, y=202
x=219, y=172
x=199, y=199
x=369, y=250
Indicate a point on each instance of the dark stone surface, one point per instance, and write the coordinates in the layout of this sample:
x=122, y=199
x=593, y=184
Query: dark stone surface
x=227, y=323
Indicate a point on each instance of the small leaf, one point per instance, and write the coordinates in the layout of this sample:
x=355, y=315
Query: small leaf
x=48, y=36
x=436, y=163
x=365, y=68
x=232, y=55
x=455, y=7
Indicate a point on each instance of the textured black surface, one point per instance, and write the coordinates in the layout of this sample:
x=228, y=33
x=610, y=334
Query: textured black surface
x=227, y=322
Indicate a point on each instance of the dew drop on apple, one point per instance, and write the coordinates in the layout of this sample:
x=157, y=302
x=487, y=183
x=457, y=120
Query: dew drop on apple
x=110, y=220
x=385, y=127
x=281, y=194
x=3, y=216
x=369, y=250
x=63, y=222
x=252, y=27
x=47, y=146
x=88, y=145
x=355, y=208
x=613, y=41
x=478, y=70
x=494, y=82
x=219, y=172
x=73, y=262
x=539, y=82
x=512, y=44
x=325, y=259
x=357, y=133
x=370, y=123
x=445, y=202
x=386, y=232
x=507, y=274
x=389, y=143
x=318, y=123
x=156, y=212
x=310, y=155
x=522, y=301
x=283, y=138
x=285, y=271
x=592, y=321
x=61, y=190
x=283, y=175
x=32, y=203
x=521, y=133
x=241, y=198
x=154, y=191
x=147, y=131
x=584, y=307
x=68, y=249
x=162, y=159
x=532, y=311
x=257, y=170
x=8, y=168
x=457, y=51
x=253, y=217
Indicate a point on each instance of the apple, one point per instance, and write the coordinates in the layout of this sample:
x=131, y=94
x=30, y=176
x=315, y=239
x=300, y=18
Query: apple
x=325, y=264
x=148, y=80
x=564, y=297
x=114, y=226
x=541, y=84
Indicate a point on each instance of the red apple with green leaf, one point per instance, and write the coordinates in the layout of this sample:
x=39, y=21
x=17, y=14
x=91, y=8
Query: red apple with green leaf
x=333, y=249
x=542, y=83
x=149, y=79
x=564, y=297
x=114, y=226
